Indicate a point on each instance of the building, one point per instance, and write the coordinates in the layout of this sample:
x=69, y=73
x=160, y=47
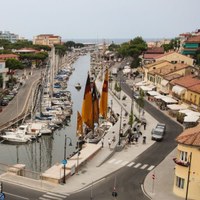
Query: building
x=47, y=39
x=6, y=35
x=175, y=57
x=191, y=45
x=8, y=56
x=151, y=53
x=3, y=72
x=187, y=170
x=187, y=89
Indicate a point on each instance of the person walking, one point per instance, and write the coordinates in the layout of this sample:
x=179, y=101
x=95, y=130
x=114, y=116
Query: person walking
x=102, y=142
x=144, y=123
x=109, y=142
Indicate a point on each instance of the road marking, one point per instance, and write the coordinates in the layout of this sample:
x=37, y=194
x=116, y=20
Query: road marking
x=130, y=164
x=43, y=198
x=118, y=162
x=111, y=161
x=16, y=196
x=58, y=195
x=144, y=166
x=151, y=167
x=124, y=163
x=136, y=166
x=52, y=197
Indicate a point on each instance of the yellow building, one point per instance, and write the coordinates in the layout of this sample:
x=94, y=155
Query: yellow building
x=187, y=168
x=175, y=57
x=162, y=72
x=187, y=89
x=47, y=39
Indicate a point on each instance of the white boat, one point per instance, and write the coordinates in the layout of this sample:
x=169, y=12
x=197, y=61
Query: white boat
x=40, y=127
x=17, y=136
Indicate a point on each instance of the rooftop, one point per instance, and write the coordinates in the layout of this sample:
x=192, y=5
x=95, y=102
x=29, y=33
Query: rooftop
x=190, y=136
x=194, y=39
x=169, y=68
x=186, y=81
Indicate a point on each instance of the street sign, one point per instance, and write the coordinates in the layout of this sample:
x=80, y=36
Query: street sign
x=64, y=162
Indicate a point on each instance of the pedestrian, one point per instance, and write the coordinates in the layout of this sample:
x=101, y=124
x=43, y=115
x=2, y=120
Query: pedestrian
x=102, y=142
x=144, y=123
x=143, y=113
x=113, y=140
x=144, y=139
x=109, y=142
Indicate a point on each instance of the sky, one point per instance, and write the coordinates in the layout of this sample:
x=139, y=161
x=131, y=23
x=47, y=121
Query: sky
x=100, y=19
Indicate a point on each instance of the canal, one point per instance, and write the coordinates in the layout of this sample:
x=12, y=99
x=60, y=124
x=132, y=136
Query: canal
x=38, y=156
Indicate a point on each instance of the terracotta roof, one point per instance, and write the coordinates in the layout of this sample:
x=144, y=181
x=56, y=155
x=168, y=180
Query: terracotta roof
x=150, y=56
x=195, y=88
x=186, y=81
x=169, y=68
x=3, y=56
x=194, y=39
x=190, y=136
x=171, y=77
x=168, y=53
x=155, y=63
x=155, y=50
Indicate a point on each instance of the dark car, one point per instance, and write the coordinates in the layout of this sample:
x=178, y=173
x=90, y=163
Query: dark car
x=4, y=102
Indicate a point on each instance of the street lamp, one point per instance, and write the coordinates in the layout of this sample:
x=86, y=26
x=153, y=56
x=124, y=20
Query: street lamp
x=65, y=159
x=120, y=127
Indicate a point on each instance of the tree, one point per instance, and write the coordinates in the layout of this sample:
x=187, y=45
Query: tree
x=140, y=101
x=60, y=49
x=13, y=64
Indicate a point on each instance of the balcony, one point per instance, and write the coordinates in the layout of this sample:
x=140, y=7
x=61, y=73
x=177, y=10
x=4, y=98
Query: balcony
x=181, y=162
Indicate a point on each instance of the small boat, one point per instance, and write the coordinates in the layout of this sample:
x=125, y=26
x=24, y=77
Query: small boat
x=78, y=86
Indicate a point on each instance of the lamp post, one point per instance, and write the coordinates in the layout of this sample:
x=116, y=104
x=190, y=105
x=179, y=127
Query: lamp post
x=65, y=159
x=120, y=127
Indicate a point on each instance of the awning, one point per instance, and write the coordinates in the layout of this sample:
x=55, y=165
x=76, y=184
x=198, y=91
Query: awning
x=178, y=90
x=141, y=83
x=190, y=112
x=147, y=88
x=126, y=71
x=153, y=93
x=191, y=118
x=177, y=106
x=164, y=82
x=168, y=99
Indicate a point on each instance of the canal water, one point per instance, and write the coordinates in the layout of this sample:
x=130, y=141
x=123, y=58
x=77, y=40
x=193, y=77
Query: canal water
x=49, y=150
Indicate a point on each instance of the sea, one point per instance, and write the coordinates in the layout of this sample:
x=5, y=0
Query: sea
x=109, y=41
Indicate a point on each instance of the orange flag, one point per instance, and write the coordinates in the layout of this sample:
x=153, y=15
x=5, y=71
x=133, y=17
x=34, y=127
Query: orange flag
x=104, y=97
x=79, y=129
x=87, y=105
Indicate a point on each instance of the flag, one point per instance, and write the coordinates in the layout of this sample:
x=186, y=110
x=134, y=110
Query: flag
x=95, y=104
x=79, y=129
x=87, y=104
x=104, y=97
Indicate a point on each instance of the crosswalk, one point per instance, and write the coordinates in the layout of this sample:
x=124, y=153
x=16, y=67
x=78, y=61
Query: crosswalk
x=53, y=196
x=142, y=166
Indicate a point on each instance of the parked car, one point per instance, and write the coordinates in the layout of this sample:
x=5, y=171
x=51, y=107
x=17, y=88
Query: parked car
x=158, y=132
x=4, y=102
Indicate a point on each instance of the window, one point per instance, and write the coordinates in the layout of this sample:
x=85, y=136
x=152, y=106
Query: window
x=180, y=182
x=184, y=156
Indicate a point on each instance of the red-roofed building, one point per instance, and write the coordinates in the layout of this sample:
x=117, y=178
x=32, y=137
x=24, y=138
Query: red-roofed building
x=8, y=56
x=187, y=170
x=187, y=89
x=151, y=53
x=191, y=45
x=47, y=39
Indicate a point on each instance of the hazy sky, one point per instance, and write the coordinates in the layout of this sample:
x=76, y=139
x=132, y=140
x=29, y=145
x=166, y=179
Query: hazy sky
x=100, y=19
